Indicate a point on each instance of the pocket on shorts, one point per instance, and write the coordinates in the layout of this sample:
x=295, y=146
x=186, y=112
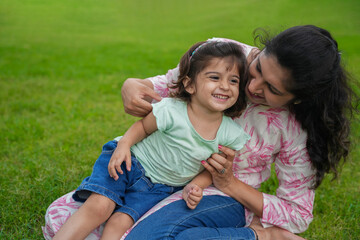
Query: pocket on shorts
x=143, y=184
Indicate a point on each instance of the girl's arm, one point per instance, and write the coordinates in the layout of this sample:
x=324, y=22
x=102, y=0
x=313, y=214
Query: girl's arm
x=203, y=179
x=137, y=132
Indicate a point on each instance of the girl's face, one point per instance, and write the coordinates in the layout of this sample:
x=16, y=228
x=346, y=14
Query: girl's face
x=266, y=82
x=216, y=87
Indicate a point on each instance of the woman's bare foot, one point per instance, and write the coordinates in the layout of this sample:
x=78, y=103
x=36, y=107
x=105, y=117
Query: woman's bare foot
x=272, y=233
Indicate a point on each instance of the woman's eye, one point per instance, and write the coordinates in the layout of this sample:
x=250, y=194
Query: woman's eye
x=257, y=66
x=272, y=90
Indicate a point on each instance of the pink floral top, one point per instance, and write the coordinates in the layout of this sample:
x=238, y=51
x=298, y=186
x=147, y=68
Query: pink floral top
x=276, y=137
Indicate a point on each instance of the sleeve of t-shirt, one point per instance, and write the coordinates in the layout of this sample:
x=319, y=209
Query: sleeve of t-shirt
x=162, y=113
x=236, y=137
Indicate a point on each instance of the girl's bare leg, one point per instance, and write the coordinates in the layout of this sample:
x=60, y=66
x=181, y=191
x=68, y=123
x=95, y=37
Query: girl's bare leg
x=96, y=210
x=116, y=226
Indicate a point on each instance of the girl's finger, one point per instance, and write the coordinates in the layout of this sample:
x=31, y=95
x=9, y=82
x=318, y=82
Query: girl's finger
x=118, y=168
x=190, y=205
x=113, y=173
x=195, y=196
x=191, y=202
x=128, y=164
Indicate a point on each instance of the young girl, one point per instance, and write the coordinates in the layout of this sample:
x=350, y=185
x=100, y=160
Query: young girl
x=162, y=152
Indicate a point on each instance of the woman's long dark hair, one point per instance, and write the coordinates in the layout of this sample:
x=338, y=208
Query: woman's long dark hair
x=321, y=88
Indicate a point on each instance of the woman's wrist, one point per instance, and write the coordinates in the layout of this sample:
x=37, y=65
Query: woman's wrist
x=230, y=187
x=245, y=194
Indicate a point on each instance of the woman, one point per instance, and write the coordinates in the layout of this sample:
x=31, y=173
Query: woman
x=298, y=96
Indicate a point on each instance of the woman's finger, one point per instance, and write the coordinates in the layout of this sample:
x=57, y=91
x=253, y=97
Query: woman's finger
x=140, y=110
x=230, y=153
x=215, y=164
x=208, y=167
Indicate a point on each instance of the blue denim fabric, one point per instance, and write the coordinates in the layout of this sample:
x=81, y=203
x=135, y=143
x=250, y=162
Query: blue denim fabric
x=216, y=217
x=133, y=193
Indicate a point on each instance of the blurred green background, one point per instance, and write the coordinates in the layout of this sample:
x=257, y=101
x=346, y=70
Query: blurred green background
x=62, y=65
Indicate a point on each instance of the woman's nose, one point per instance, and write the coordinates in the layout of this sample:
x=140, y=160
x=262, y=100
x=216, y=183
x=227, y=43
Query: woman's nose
x=256, y=84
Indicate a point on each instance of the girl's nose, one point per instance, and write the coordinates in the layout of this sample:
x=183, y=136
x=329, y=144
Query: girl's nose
x=224, y=84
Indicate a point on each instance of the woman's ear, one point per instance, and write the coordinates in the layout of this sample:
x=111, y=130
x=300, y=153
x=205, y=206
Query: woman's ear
x=188, y=85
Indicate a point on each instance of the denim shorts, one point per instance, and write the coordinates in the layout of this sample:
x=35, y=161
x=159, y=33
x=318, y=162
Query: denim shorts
x=133, y=193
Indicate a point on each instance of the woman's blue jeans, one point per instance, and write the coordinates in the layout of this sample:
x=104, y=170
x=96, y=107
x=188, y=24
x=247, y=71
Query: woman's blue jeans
x=215, y=218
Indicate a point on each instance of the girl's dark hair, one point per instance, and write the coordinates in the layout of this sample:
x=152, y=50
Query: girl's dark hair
x=321, y=87
x=198, y=57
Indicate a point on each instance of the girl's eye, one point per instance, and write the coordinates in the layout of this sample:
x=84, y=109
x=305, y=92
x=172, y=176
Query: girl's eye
x=214, y=77
x=234, y=81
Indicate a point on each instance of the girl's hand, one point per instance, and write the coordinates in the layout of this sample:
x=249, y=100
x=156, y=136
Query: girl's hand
x=137, y=95
x=121, y=154
x=192, y=194
x=220, y=167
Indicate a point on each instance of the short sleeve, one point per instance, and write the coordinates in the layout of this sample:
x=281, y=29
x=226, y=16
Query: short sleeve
x=163, y=115
x=234, y=135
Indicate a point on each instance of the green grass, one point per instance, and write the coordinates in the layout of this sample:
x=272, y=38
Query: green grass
x=62, y=64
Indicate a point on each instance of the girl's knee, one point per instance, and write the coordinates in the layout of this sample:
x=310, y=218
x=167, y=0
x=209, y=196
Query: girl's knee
x=117, y=225
x=122, y=218
x=99, y=205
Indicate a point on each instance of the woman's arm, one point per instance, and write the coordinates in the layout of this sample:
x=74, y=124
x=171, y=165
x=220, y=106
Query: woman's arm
x=291, y=208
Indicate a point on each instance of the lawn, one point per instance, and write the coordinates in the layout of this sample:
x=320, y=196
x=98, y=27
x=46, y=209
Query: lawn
x=62, y=65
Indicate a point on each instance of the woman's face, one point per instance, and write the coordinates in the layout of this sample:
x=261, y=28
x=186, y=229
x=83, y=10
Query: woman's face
x=266, y=82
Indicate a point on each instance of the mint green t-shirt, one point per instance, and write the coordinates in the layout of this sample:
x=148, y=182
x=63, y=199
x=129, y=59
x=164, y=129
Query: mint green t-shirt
x=172, y=155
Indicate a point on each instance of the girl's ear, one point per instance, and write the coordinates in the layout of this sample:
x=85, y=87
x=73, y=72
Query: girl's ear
x=188, y=85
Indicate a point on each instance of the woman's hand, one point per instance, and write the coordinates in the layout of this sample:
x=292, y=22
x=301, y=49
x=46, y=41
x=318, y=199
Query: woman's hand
x=220, y=167
x=137, y=95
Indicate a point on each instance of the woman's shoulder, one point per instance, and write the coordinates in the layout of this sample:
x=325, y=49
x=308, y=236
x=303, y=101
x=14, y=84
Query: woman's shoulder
x=275, y=120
